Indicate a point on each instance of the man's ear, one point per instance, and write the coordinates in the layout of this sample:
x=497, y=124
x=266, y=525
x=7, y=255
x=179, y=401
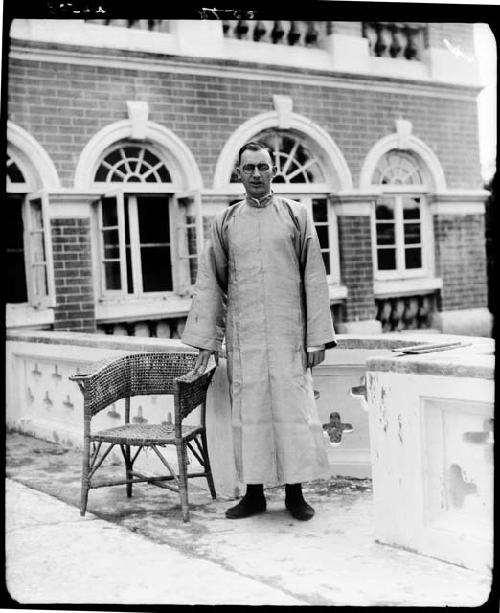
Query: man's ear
x=238, y=172
x=274, y=171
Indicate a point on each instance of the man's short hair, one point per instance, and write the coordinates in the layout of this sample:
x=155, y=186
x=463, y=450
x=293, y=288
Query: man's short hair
x=256, y=145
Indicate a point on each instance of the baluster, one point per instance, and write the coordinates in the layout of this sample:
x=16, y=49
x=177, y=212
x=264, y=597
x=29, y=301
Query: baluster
x=384, y=314
x=242, y=29
x=163, y=329
x=293, y=33
x=259, y=31
x=225, y=27
x=370, y=33
x=311, y=34
x=397, y=44
x=411, y=51
x=119, y=330
x=383, y=41
x=278, y=32
x=410, y=313
x=141, y=328
x=424, y=312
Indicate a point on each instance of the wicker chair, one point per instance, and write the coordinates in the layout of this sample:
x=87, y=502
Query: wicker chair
x=141, y=374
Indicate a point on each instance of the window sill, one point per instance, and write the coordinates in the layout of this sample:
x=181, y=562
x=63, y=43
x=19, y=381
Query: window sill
x=406, y=287
x=337, y=292
x=139, y=309
x=26, y=316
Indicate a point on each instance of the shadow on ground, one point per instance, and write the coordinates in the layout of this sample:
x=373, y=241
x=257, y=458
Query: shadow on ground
x=153, y=512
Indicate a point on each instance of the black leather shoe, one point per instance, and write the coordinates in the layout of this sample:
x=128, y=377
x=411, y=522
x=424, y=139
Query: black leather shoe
x=247, y=507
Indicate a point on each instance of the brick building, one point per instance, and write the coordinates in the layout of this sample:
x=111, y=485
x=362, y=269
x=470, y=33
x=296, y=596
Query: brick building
x=121, y=145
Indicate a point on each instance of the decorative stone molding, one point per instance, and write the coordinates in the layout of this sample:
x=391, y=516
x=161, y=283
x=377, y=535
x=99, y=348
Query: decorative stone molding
x=403, y=130
x=283, y=106
x=36, y=162
x=138, y=115
x=459, y=202
x=176, y=154
x=331, y=157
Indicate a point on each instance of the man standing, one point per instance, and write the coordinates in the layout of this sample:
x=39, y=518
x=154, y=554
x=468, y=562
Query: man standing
x=262, y=283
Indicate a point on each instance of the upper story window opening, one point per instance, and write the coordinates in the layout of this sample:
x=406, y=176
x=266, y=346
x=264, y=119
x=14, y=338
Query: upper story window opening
x=14, y=174
x=397, y=168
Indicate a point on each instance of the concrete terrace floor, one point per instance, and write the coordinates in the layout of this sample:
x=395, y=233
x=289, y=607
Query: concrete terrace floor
x=139, y=551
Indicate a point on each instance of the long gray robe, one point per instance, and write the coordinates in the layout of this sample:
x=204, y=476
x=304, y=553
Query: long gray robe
x=262, y=282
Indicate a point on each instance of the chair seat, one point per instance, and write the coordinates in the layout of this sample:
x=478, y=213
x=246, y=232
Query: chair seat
x=143, y=434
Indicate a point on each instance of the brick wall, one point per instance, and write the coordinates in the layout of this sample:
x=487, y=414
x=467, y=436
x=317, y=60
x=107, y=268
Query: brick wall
x=356, y=267
x=461, y=261
x=64, y=105
x=75, y=308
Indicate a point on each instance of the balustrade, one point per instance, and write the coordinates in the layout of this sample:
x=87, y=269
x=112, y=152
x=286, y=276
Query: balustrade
x=154, y=328
x=396, y=40
x=299, y=33
x=153, y=25
x=406, y=312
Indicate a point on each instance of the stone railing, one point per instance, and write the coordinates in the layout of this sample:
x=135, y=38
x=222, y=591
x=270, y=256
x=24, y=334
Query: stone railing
x=153, y=25
x=147, y=328
x=406, y=312
x=299, y=33
x=396, y=40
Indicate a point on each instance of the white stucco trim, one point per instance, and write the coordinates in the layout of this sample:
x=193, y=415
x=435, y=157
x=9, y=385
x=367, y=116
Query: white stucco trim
x=412, y=143
x=177, y=155
x=34, y=159
x=332, y=159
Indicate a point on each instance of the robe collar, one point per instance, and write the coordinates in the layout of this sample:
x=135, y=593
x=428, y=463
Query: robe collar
x=260, y=203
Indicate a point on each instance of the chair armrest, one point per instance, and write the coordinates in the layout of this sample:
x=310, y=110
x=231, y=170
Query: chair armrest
x=94, y=368
x=192, y=389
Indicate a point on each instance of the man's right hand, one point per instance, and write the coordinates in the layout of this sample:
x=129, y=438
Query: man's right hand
x=201, y=363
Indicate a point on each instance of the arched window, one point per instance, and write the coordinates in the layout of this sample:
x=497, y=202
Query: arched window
x=400, y=221
x=301, y=176
x=149, y=235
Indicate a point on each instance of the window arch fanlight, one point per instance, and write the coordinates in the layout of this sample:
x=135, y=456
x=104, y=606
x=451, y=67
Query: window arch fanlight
x=129, y=163
x=398, y=167
x=293, y=158
x=14, y=174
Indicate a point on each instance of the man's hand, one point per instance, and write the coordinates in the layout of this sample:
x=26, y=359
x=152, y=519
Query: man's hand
x=315, y=357
x=201, y=363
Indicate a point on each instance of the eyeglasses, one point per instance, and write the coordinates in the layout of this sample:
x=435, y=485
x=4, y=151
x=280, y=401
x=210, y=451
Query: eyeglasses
x=250, y=168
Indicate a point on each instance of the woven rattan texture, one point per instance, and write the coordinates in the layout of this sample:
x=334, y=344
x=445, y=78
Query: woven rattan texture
x=142, y=434
x=134, y=375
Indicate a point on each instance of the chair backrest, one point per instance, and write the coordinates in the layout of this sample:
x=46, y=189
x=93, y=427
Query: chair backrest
x=134, y=374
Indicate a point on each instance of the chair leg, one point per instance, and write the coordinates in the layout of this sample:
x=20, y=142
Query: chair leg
x=183, y=486
x=208, y=468
x=85, y=477
x=128, y=469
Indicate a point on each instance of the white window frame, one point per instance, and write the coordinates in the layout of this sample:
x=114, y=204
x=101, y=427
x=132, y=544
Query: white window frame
x=180, y=284
x=333, y=232
x=426, y=242
x=36, y=300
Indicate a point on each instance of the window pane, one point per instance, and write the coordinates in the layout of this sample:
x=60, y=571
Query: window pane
x=112, y=275
x=413, y=257
x=40, y=280
x=36, y=214
x=37, y=246
x=326, y=261
x=16, y=274
x=154, y=224
x=386, y=259
x=319, y=208
x=411, y=208
x=110, y=238
x=386, y=234
x=193, y=270
x=323, y=236
x=156, y=269
x=384, y=209
x=109, y=212
x=412, y=233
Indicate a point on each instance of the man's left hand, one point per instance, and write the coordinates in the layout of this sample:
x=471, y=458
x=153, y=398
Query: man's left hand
x=315, y=357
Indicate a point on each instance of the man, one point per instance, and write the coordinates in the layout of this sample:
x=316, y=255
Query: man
x=262, y=282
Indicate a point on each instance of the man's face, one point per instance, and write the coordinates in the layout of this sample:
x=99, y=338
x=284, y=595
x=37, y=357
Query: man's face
x=257, y=182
